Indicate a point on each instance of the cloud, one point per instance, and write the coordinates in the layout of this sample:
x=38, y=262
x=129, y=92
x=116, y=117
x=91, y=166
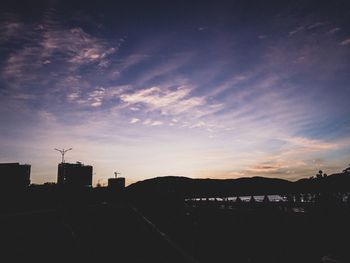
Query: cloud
x=231, y=83
x=52, y=46
x=134, y=120
x=198, y=124
x=47, y=116
x=167, y=101
x=309, y=145
x=164, y=103
x=147, y=122
x=78, y=46
x=316, y=25
x=296, y=30
x=24, y=96
x=73, y=96
x=11, y=28
x=334, y=30
x=156, y=123
x=8, y=30
x=345, y=42
x=202, y=28
x=133, y=59
x=19, y=65
x=165, y=69
x=297, y=157
x=94, y=97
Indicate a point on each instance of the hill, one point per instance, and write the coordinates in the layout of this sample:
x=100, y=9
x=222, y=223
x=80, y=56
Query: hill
x=209, y=187
x=242, y=186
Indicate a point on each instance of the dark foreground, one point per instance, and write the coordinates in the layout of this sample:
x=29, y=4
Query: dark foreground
x=259, y=233
x=99, y=233
x=167, y=230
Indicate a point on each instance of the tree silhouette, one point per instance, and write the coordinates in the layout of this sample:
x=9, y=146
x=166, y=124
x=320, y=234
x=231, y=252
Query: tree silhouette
x=320, y=174
x=252, y=199
x=297, y=198
x=266, y=199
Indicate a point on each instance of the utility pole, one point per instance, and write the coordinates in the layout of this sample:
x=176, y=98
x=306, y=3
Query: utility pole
x=63, y=152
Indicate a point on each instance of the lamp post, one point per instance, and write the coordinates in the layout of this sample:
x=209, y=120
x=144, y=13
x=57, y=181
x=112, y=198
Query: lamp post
x=63, y=152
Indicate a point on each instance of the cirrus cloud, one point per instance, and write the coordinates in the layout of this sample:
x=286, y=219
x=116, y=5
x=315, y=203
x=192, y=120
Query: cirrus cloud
x=167, y=101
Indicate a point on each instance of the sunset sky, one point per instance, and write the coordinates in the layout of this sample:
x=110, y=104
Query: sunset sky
x=214, y=89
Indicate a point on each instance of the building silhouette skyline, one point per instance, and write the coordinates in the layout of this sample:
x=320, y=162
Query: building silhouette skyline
x=74, y=175
x=14, y=175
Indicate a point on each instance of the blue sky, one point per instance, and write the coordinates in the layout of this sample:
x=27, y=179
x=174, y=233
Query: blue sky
x=219, y=89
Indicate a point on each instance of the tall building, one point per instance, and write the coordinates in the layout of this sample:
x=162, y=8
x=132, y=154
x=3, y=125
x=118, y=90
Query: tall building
x=74, y=174
x=14, y=175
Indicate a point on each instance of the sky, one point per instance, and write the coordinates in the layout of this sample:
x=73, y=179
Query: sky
x=203, y=89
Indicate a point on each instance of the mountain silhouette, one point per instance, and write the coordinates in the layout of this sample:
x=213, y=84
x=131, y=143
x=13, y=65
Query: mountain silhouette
x=209, y=187
x=188, y=187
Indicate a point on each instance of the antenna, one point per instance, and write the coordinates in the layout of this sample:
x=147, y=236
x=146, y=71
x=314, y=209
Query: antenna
x=63, y=151
x=116, y=174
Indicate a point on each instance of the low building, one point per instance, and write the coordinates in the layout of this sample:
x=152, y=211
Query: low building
x=14, y=175
x=117, y=184
x=74, y=175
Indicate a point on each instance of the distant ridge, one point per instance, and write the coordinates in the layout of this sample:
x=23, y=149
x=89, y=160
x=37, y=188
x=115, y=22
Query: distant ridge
x=242, y=186
x=209, y=187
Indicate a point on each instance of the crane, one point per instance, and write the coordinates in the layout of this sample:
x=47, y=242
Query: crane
x=63, y=152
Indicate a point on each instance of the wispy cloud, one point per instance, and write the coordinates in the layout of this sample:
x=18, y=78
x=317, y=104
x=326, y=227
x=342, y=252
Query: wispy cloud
x=156, y=123
x=9, y=30
x=309, y=145
x=93, y=97
x=345, y=42
x=96, y=97
x=296, y=30
x=167, y=101
x=78, y=46
x=296, y=158
x=334, y=30
x=134, y=120
x=316, y=25
x=51, y=46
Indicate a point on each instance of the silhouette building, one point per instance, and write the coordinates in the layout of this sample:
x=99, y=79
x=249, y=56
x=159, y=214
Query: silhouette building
x=74, y=175
x=14, y=175
x=116, y=183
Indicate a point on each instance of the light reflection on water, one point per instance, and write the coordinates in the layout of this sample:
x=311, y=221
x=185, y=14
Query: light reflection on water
x=257, y=198
x=303, y=198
